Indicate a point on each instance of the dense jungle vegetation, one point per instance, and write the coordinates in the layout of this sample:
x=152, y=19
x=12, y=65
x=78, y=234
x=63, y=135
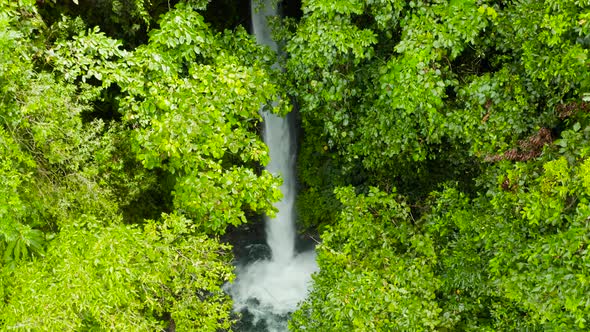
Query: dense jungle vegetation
x=444, y=160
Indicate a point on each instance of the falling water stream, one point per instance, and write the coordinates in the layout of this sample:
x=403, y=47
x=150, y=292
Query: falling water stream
x=268, y=290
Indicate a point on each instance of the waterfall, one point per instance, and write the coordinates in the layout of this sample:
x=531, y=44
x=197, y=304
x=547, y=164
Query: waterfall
x=280, y=232
x=269, y=290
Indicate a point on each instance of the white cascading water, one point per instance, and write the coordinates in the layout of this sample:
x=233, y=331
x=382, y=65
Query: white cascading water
x=271, y=289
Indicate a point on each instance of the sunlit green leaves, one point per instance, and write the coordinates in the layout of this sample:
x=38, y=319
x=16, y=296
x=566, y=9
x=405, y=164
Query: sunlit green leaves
x=123, y=278
x=18, y=240
x=179, y=132
x=184, y=31
x=193, y=106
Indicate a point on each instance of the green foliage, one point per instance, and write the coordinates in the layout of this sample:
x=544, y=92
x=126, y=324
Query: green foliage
x=476, y=111
x=46, y=151
x=185, y=142
x=127, y=19
x=456, y=72
x=441, y=87
x=387, y=109
x=194, y=109
x=375, y=270
x=520, y=244
x=16, y=238
x=122, y=278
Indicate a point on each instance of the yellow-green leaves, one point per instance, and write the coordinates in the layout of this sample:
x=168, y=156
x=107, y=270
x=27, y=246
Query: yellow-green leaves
x=122, y=278
x=556, y=176
x=345, y=7
x=489, y=11
x=585, y=174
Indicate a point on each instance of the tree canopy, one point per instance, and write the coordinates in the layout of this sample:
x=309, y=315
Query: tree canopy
x=121, y=167
x=444, y=161
x=476, y=112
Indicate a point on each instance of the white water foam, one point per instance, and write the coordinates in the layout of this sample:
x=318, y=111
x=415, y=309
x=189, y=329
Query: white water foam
x=271, y=289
